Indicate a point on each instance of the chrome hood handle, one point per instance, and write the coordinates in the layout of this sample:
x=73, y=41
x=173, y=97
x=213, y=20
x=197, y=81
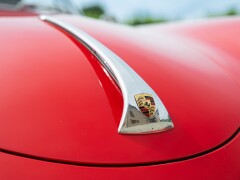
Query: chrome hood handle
x=143, y=111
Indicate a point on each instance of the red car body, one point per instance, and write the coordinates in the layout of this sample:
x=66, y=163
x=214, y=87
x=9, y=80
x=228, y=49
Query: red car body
x=60, y=109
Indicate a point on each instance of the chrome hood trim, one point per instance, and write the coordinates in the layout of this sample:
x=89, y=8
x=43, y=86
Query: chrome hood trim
x=143, y=111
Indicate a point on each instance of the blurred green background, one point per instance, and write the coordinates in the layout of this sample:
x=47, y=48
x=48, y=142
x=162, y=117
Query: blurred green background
x=137, y=12
x=98, y=10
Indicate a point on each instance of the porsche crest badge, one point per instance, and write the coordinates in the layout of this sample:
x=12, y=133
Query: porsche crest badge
x=146, y=104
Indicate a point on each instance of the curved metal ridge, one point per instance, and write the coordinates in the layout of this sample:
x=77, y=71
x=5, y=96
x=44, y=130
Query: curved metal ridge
x=143, y=111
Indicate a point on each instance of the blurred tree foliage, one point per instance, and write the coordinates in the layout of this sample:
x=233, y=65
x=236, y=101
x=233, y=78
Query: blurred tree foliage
x=230, y=12
x=146, y=20
x=94, y=11
x=98, y=11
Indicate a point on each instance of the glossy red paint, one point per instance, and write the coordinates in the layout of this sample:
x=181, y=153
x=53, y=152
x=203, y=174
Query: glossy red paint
x=222, y=164
x=217, y=34
x=58, y=103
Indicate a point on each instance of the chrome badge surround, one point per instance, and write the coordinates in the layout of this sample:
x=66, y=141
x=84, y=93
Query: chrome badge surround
x=133, y=120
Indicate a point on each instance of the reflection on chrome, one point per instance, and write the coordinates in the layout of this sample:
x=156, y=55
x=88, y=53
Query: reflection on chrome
x=136, y=123
x=143, y=111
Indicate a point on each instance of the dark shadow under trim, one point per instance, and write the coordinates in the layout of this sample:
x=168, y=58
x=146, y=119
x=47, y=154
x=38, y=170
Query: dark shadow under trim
x=46, y=159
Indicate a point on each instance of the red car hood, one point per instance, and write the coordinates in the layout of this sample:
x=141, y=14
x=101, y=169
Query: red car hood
x=57, y=102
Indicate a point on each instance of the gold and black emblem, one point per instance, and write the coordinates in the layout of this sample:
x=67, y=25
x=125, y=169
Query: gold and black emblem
x=146, y=104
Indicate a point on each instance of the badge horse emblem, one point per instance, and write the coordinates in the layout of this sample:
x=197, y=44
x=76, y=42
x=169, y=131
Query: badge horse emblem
x=146, y=104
